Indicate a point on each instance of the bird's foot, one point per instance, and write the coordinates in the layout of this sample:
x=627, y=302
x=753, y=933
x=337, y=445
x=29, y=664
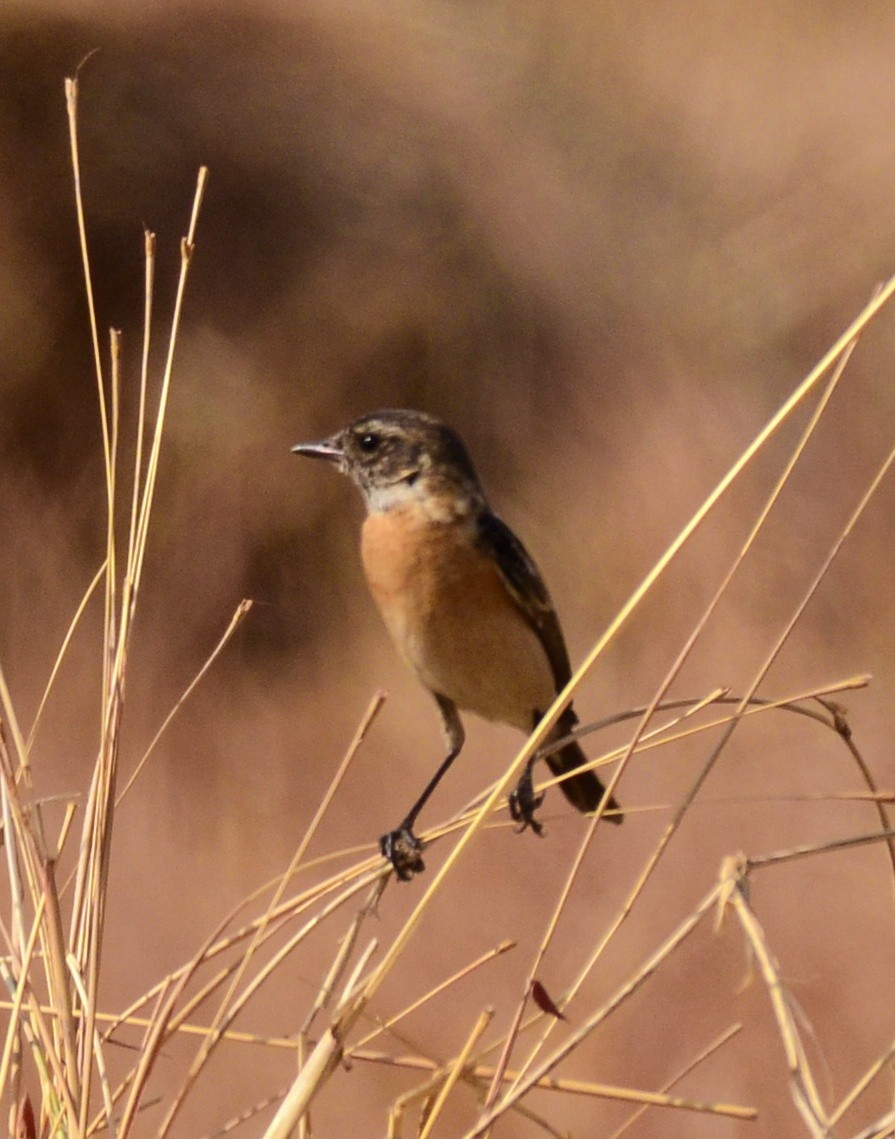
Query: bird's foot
x=523, y=804
x=402, y=849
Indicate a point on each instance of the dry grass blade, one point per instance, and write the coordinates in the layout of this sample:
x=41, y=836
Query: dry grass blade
x=60, y=656
x=241, y=611
x=580, y=1033
x=540, y=953
x=230, y=1004
x=802, y=1085
x=137, y=481
x=324, y=1059
x=456, y=1068
x=71, y=100
x=478, y=1073
x=716, y=1045
x=442, y=986
x=850, y=1098
x=796, y=852
x=18, y=988
x=339, y=964
x=840, y=722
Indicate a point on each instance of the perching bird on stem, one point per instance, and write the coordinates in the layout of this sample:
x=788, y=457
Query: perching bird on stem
x=462, y=599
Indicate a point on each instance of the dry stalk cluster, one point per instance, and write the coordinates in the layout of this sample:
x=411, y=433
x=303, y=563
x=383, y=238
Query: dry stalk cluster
x=61, y=1071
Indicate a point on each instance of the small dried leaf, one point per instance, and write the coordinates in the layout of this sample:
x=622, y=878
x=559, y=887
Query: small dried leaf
x=544, y=1001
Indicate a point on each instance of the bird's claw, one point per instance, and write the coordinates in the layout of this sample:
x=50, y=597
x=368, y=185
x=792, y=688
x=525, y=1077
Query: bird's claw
x=523, y=803
x=402, y=849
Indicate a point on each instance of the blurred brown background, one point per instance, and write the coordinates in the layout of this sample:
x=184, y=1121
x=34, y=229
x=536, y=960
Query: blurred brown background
x=604, y=241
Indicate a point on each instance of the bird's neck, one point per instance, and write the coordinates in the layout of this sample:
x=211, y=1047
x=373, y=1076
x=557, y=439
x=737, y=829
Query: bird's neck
x=439, y=498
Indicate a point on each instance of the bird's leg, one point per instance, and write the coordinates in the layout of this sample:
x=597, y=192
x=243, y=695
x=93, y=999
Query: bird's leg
x=401, y=847
x=523, y=801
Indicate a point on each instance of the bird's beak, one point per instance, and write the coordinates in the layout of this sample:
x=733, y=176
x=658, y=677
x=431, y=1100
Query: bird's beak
x=326, y=449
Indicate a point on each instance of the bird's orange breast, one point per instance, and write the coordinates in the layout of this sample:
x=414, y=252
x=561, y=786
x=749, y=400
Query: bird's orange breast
x=451, y=616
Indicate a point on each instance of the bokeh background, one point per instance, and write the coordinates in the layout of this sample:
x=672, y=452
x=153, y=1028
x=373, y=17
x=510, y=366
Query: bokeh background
x=603, y=240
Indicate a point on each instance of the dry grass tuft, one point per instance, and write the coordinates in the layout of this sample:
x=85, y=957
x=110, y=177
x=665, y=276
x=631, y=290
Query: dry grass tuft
x=62, y=1069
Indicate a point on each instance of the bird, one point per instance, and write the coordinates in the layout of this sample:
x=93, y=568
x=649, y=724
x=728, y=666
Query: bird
x=463, y=602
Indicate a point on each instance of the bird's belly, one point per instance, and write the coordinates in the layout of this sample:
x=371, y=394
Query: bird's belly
x=452, y=618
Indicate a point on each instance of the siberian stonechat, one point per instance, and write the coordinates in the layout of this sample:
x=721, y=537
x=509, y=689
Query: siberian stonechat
x=462, y=599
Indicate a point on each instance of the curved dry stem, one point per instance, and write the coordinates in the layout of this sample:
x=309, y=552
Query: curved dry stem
x=242, y=610
x=60, y=656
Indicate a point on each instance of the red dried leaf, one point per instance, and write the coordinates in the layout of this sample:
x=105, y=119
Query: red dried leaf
x=544, y=1001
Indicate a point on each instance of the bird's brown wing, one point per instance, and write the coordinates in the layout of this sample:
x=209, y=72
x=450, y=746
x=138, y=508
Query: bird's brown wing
x=584, y=790
x=527, y=589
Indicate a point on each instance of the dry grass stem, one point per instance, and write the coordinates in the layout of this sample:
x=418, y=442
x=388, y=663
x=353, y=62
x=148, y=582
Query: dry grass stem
x=715, y=1046
x=454, y=1071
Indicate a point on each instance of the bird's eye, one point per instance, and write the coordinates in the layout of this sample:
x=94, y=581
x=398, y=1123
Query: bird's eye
x=368, y=442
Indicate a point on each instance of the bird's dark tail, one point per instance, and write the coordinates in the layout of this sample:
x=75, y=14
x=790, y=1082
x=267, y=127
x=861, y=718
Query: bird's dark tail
x=584, y=790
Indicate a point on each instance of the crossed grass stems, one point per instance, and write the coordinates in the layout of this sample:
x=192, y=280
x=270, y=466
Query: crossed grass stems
x=54, y=1065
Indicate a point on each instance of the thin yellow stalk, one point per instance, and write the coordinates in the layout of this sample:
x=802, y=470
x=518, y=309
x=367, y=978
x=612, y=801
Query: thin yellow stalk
x=716, y=1045
x=883, y=1064
x=340, y=961
x=90, y=891
x=241, y=610
x=187, y=247
x=60, y=656
x=97, y=1052
x=57, y=975
x=233, y=1036
x=148, y=293
x=432, y=993
x=441, y=1099
x=720, y=592
x=111, y=618
x=481, y=1072
x=19, y=986
x=21, y=840
x=304, y=1124
x=16, y=890
x=794, y=853
x=71, y=100
x=9, y=715
x=364, y=960
x=802, y=1085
